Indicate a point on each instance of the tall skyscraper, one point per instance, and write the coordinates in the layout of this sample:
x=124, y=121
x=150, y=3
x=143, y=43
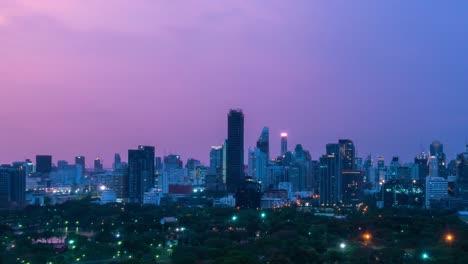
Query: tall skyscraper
x=434, y=167
x=117, y=161
x=462, y=176
x=216, y=160
x=347, y=154
x=329, y=176
x=263, y=142
x=149, y=154
x=251, y=164
x=284, y=143
x=436, y=190
x=421, y=161
x=80, y=160
x=98, y=165
x=140, y=172
x=43, y=163
x=235, y=151
x=12, y=186
x=437, y=150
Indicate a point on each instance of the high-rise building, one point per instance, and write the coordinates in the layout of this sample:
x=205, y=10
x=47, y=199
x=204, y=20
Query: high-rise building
x=80, y=160
x=98, y=165
x=117, y=161
x=149, y=154
x=251, y=163
x=436, y=190
x=437, y=150
x=261, y=163
x=12, y=186
x=284, y=143
x=421, y=161
x=329, y=175
x=263, y=142
x=462, y=177
x=216, y=160
x=140, y=173
x=347, y=154
x=61, y=164
x=43, y=163
x=248, y=195
x=392, y=172
x=434, y=167
x=235, y=151
x=174, y=172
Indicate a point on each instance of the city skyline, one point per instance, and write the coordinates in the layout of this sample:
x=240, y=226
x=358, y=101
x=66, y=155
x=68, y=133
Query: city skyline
x=91, y=79
x=276, y=142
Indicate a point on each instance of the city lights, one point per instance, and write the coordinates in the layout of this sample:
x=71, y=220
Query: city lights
x=367, y=236
x=424, y=256
x=449, y=238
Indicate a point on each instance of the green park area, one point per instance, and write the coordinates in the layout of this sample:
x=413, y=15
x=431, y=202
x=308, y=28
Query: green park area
x=85, y=232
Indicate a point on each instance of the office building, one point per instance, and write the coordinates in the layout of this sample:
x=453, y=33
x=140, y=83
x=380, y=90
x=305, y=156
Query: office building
x=43, y=164
x=216, y=160
x=98, y=165
x=81, y=161
x=347, y=154
x=437, y=150
x=329, y=176
x=235, y=151
x=248, y=194
x=436, y=191
x=140, y=172
x=117, y=161
x=284, y=143
x=12, y=186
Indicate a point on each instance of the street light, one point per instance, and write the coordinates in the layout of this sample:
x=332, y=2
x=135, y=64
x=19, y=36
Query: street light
x=234, y=218
x=342, y=245
x=263, y=215
x=449, y=238
x=367, y=236
x=424, y=256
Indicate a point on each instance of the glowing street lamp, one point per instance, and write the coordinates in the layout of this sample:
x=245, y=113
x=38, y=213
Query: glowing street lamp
x=424, y=256
x=342, y=245
x=234, y=218
x=263, y=215
x=449, y=238
x=367, y=236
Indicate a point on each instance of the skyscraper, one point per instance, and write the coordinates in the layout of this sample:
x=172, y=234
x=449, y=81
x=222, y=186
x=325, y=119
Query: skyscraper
x=149, y=154
x=12, y=186
x=235, y=150
x=284, y=143
x=216, y=160
x=263, y=142
x=462, y=176
x=347, y=154
x=117, y=161
x=98, y=165
x=140, y=172
x=329, y=175
x=43, y=163
x=421, y=161
x=437, y=150
x=80, y=160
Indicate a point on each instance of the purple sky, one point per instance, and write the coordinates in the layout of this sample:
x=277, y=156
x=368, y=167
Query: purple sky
x=94, y=78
